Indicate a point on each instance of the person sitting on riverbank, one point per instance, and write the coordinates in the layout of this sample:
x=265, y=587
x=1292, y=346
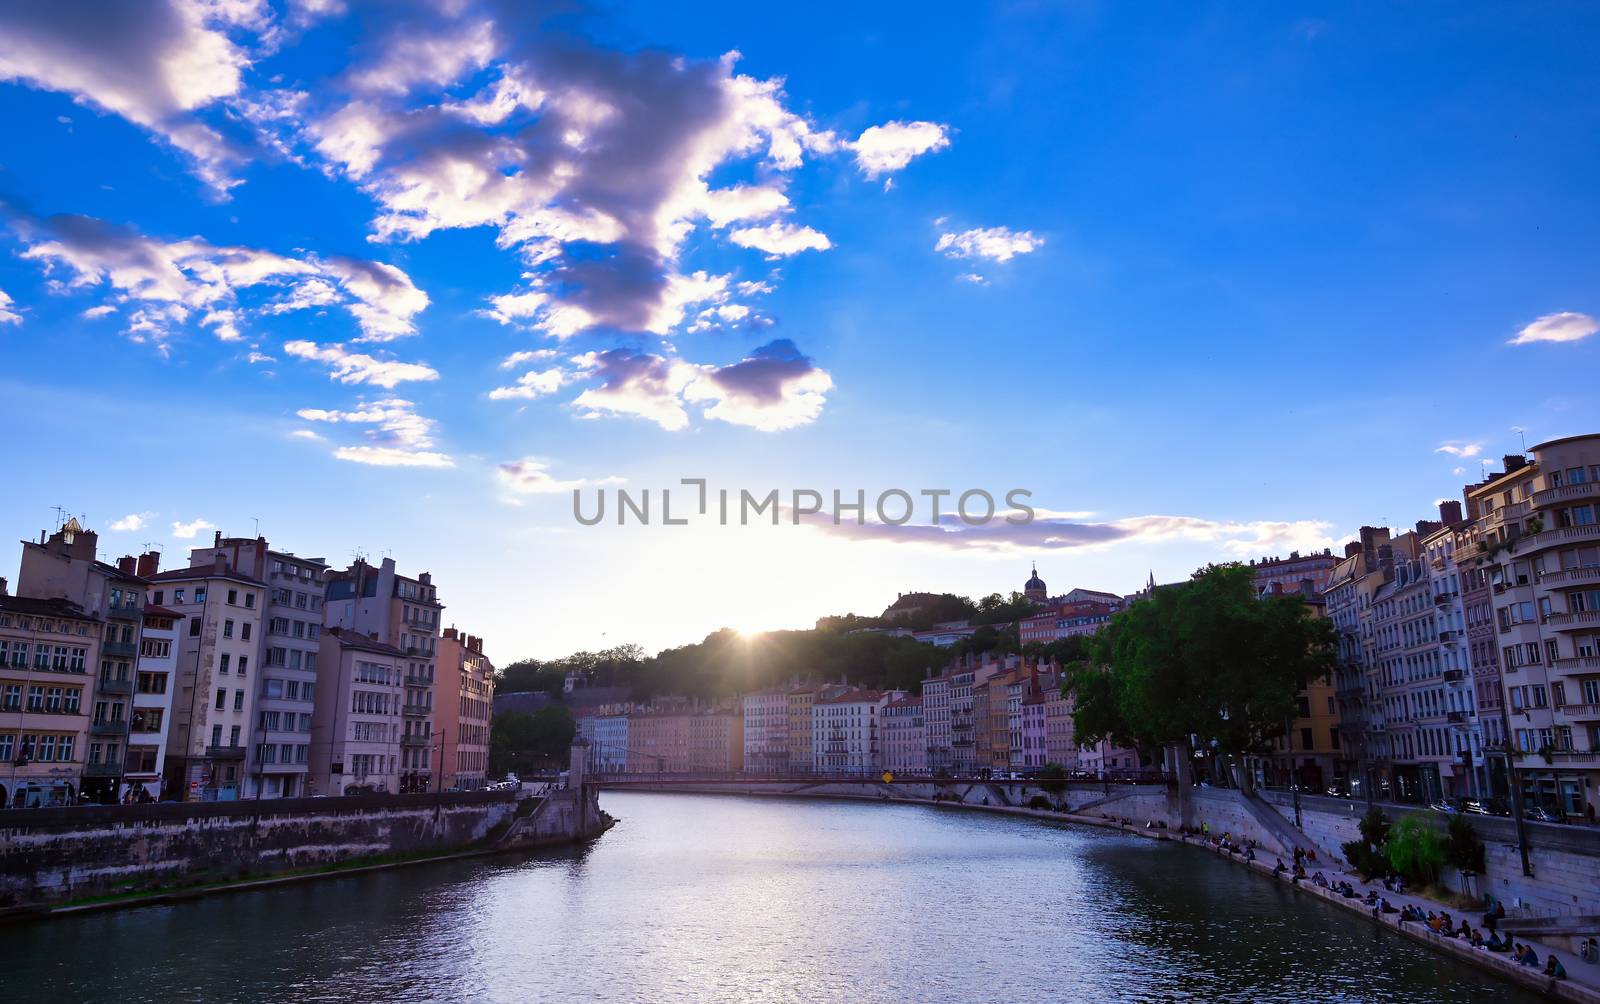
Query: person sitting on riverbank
x=1318, y=880
x=1435, y=922
x=1525, y=955
x=1494, y=943
x=1464, y=930
x=1554, y=969
x=1494, y=913
x=1279, y=869
x=1477, y=939
x=1412, y=914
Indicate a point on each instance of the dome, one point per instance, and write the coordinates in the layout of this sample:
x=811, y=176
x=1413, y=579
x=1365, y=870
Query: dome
x=1034, y=583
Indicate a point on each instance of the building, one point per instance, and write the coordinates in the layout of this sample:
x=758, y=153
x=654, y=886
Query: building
x=1539, y=542
x=404, y=613
x=464, y=711
x=845, y=731
x=766, y=731
x=1034, y=731
x=1347, y=602
x=287, y=652
x=155, y=683
x=905, y=738
x=1060, y=745
x=608, y=742
x=1066, y=620
x=217, y=681
x=964, y=715
x=1034, y=589
x=658, y=742
x=936, y=722
x=64, y=566
x=1298, y=573
x=46, y=649
x=716, y=740
x=1308, y=752
x=358, y=724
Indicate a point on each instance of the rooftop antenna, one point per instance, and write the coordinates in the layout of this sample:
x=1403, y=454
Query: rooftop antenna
x=61, y=515
x=152, y=545
x=257, y=520
x=1523, y=435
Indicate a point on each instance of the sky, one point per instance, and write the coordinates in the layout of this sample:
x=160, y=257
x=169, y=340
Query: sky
x=1206, y=281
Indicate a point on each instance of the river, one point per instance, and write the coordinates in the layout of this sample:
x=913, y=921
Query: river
x=714, y=898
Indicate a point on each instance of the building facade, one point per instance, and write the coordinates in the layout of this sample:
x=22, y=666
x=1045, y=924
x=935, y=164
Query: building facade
x=46, y=649
x=766, y=731
x=464, y=711
x=153, y=688
x=905, y=737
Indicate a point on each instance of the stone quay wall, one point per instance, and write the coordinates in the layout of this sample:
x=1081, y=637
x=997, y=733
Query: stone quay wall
x=48, y=856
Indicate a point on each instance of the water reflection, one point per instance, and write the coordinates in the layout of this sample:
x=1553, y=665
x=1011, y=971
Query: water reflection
x=710, y=898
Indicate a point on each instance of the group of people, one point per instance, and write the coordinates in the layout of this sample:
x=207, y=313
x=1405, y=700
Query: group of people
x=1441, y=924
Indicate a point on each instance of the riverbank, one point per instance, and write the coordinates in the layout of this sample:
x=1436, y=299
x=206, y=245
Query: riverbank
x=1583, y=979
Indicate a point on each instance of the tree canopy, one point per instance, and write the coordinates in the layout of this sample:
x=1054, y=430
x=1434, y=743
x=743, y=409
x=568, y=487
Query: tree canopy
x=519, y=741
x=1206, y=658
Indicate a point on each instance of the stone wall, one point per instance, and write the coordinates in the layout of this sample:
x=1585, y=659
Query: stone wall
x=51, y=855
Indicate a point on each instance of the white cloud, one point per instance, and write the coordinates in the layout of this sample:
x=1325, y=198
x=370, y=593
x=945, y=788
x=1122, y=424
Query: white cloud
x=884, y=149
x=772, y=389
x=531, y=476
x=640, y=384
x=358, y=367
x=1460, y=449
x=994, y=243
x=131, y=522
x=1566, y=326
x=171, y=282
x=509, y=308
x=308, y=434
x=534, y=383
x=974, y=278
x=94, y=313
x=7, y=315
x=187, y=531
x=156, y=64
x=743, y=202
x=259, y=358
x=779, y=239
x=398, y=436
x=516, y=359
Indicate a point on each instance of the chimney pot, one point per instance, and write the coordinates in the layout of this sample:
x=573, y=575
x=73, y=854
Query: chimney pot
x=127, y=564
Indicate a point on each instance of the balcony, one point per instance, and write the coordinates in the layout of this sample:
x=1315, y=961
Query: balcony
x=105, y=685
x=225, y=752
x=418, y=681
x=1582, y=712
x=1578, y=664
x=1441, y=599
x=1558, y=535
x=1574, y=621
x=106, y=768
x=1454, y=676
x=119, y=649
x=1449, y=637
x=109, y=727
x=1576, y=756
x=414, y=740
x=416, y=710
x=1566, y=493
x=1456, y=717
x=1571, y=576
x=125, y=613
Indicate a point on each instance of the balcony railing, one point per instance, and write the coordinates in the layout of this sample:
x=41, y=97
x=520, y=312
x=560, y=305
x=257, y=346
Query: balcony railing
x=415, y=739
x=1583, y=712
x=1456, y=717
x=1576, y=756
x=1577, y=664
x=418, y=681
x=106, y=685
x=419, y=710
x=1454, y=676
x=105, y=768
x=125, y=613
x=225, y=752
x=1571, y=576
x=1449, y=637
x=109, y=727
x=1580, y=619
x=1566, y=493
x=119, y=649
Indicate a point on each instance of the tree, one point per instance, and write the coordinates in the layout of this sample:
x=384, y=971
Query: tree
x=1368, y=855
x=1463, y=850
x=519, y=741
x=1206, y=658
x=1415, y=849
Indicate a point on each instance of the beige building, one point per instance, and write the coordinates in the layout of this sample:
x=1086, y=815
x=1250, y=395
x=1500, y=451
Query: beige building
x=465, y=708
x=218, y=677
x=402, y=612
x=716, y=740
x=357, y=728
x=1539, y=541
x=46, y=649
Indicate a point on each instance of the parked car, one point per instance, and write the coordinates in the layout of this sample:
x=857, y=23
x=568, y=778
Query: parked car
x=1443, y=806
x=1542, y=815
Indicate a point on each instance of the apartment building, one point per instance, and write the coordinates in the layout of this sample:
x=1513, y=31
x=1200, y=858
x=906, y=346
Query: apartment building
x=905, y=737
x=1060, y=734
x=766, y=731
x=465, y=709
x=218, y=676
x=46, y=649
x=64, y=565
x=287, y=652
x=1539, y=542
x=716, y=740
x=936, y=721
x=403, y=612
x=658, y=742
x=846, y=731
x=1034, y=728
x=965, y=715
x=154, y=686
x=358, y=719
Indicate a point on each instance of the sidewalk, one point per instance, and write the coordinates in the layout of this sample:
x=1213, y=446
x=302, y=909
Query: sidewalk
x=1583, y=978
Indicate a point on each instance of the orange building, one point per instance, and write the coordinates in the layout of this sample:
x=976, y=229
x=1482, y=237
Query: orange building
x=465, y=685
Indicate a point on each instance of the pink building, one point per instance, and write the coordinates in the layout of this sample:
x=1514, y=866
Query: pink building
x=1034, y=730
x=905, y=737
x=465, y=705
x=1065, y=620
x=658, y=742
x=1059, y=744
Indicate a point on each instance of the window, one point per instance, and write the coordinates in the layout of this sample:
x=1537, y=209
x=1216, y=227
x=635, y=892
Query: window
x=216, y=735
x=238, y=700
x=233, y=736
x=249, y=601
x=147, y=719
x=152, y=683
x=142, y=759
x=222, y=699
x=244, y=664
x=177, y=596
x=244, y=631
x=223, y=661
x=194, y=627
x=227, y=629
x=233, y=597
x=200, y=594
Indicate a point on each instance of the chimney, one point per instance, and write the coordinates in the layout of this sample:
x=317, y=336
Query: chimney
x=220, y=563
x=149, y=564
x=3, y=591
x=1450, y=512
x=1514, y=462
x=216, y=539
x=1352, y=549
x=127, y=564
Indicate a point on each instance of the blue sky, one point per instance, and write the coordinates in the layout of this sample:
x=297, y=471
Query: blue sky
x=1210, y=281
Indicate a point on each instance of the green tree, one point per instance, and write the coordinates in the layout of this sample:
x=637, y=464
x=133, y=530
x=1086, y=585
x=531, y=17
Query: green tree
x=1463, y=850
x=1206, y=658
x=1369, y=855
x=1415, y=849
x=523, y=742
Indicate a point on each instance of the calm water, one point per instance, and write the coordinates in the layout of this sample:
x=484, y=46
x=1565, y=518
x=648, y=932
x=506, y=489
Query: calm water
x=714, y=898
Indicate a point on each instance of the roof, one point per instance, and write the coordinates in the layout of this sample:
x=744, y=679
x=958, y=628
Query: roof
x=203, y=572
x=118, y=573
x=54, y=607
x=852, y=697
x=905, y=702
x=361, y=643
x=151, y=610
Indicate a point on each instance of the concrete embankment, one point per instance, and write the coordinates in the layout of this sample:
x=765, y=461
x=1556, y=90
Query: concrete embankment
x=126, y=854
